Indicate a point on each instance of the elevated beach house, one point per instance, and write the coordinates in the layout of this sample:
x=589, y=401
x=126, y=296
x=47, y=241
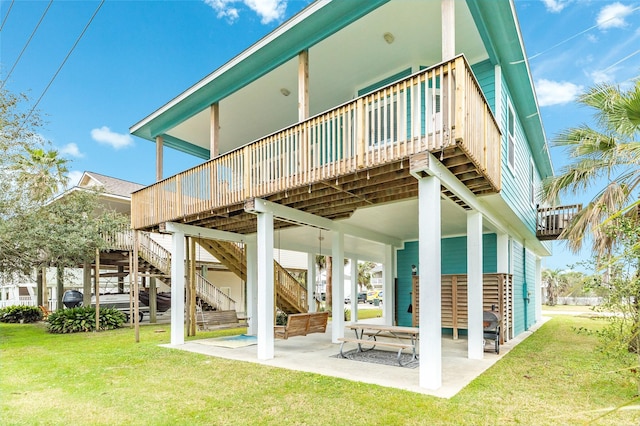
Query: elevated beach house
x=401, y=132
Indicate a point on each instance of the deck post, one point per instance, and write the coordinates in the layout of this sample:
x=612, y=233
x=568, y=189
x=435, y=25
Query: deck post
x=311, y=282
x=337, y=253
x=214, y=130
x=177, y=289
x=429, y=267
x=448, y=29
x=475, y=348
x=354, y=289
x=159, y=149
x=266, y=291
x=252, y=287
x=388, y=299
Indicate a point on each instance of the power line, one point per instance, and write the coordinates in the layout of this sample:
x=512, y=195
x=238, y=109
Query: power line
x=571, y=38
x=63, y=62
x=27, y=44
x=7, y=15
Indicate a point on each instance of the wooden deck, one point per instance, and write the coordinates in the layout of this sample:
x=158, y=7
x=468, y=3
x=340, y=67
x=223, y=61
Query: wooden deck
x=355, y=155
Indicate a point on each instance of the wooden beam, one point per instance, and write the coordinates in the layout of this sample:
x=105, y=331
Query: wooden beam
x=159, y=160
x=214, y=131
x=303, y=85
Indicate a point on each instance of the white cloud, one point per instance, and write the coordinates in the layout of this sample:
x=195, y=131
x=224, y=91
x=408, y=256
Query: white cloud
x=613, y=16
x=104, y=135
x=555, y=92
x=74, y=178
x=555, y=6
x=268, y=10
x=72, y=150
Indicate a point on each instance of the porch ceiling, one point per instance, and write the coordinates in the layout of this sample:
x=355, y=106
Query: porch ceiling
x=357, y=53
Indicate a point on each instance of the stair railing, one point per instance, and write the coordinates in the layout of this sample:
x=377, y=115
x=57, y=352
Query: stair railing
x=213, y=295
x=154, y=253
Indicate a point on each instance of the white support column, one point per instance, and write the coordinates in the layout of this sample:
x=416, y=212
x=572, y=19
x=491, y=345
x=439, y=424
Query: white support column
x=354, y=289
x=475, y=348
x=177, y=289
x=159, y=160
x=252, y=287
x=448, y=29
x=388, y=299
x=429, y=267
x=266, y=291
x=538, y=289
x=311, y=281
x=503, y=253
x=337, y=254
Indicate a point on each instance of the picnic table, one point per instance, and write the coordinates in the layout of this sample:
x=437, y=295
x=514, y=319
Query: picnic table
x=368, y=336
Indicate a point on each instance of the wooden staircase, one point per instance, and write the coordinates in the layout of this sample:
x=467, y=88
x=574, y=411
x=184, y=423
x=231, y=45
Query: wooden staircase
x=291, y=296
x=154, y=259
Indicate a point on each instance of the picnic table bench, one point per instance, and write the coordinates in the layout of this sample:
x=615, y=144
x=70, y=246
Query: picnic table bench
x=403, y=338
x=302, y=324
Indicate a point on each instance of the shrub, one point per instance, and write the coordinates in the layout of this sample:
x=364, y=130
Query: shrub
x=20, y=314
x=81, y=319
x=281, y=318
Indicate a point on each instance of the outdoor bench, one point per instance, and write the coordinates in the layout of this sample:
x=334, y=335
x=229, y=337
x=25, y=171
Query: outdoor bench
x=302, y=324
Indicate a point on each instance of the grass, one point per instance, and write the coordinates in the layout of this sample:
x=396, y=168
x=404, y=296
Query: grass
x=553, y=377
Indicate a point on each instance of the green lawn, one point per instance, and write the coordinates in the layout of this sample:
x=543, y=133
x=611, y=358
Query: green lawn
x=553, y=377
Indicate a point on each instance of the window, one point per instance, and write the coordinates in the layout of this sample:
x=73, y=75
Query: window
x=532, y=186
x=511, y=137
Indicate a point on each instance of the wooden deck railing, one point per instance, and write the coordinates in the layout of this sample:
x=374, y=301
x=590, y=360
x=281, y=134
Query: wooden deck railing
x=435, y=109
x=552, y=221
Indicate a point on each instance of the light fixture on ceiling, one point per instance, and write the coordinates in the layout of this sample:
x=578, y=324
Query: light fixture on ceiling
x=285, y=91
x=388, y=37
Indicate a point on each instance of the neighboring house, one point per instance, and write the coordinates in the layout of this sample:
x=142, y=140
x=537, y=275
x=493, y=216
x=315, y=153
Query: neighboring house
x=403, y=133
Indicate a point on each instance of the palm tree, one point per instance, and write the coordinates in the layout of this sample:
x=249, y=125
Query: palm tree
x=364, y=274
x=609, y=156
x=42, y=172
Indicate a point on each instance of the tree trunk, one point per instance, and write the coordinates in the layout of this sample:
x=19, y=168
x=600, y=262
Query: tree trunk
x=329, y=287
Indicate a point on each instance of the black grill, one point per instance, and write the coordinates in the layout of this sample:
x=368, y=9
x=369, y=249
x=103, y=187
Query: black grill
x=491, y=324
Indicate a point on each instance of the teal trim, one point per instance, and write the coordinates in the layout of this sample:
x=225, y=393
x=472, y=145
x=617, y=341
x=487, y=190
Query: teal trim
x=495, y=21
x=316, y=27
x=186, y=147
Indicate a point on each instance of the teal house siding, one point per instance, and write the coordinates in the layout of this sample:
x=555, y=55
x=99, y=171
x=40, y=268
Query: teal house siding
x=519, y=289
x=454, y=261
x=516, y=181
x=530, y=274
x=485, y=74
x=405, y=258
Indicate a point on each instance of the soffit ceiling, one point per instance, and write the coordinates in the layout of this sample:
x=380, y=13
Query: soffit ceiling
x=339, y=66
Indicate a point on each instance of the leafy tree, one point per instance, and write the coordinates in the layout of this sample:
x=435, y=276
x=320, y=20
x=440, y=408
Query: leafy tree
x=621, y=280
x=364, y=274
x=35, y=230
x=609, y=156
x=552, y=279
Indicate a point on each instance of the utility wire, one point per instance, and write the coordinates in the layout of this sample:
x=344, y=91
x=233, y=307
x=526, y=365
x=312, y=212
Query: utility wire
x=63, y=62
x=27, y=44
x=570, y=38
x=621, y=60
x=7, y=15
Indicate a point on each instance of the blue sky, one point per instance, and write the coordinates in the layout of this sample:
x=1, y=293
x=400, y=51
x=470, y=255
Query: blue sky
x=137, y=55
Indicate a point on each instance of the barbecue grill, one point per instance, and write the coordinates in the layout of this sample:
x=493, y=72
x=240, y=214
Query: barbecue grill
x=491, y=324
x=72, y=298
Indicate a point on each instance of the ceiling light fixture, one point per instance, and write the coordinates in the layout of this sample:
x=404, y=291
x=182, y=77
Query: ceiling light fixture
x=285, y=91
x=388, y=37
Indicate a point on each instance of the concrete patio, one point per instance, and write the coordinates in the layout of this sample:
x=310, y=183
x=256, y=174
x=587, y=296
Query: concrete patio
x=315, y=353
